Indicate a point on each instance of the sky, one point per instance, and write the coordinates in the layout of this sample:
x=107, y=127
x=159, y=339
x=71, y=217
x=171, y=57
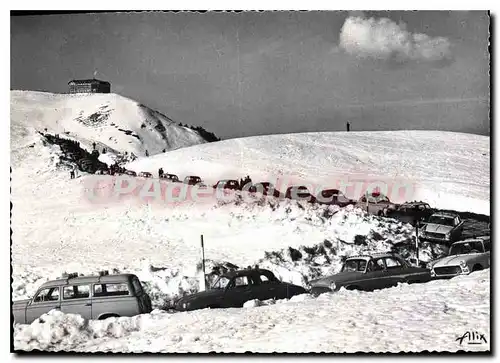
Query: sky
x=250, y=73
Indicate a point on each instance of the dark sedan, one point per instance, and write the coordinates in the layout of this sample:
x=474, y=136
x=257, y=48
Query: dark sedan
x=412, y=212
x=171, y=177
x=234, y=288
x=334, y=197
x=192, y=180
x=300, y=193
x=371, y=272
x=265, y=188
x=228, y=184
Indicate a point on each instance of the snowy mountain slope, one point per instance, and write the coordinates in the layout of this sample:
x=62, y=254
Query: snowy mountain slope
x=111, y=121
x=449, y=170
x=428, y=317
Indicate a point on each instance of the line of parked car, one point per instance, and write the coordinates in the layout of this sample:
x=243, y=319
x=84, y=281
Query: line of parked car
x=435, y=226
x=104, y=296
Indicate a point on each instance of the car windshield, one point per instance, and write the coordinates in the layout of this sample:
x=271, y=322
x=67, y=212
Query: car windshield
x=445, y=221
x=354, y=265
x=465, y=248
x=376, y=198
x=220, y=283
x=330, y=193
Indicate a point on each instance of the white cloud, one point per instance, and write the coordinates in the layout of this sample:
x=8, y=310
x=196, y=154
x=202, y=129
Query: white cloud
x=384, y=39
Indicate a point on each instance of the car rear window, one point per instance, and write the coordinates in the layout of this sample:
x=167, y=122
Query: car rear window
x=111, y=289
x=76, y=292
x=392, y=263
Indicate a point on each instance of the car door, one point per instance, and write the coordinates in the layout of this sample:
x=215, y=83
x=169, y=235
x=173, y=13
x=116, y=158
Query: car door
x=395, y=272
x=44, y=301
x=404, y=214
x=266, y=288
x=375, y=276
x=239, y=291
x=76, y=300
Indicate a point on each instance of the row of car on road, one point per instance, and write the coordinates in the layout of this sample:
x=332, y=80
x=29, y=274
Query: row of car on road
x=104, y=296
x=436, y=226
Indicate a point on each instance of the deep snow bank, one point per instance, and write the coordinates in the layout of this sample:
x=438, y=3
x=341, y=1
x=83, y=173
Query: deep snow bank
x=404, y=318
x=449, y=170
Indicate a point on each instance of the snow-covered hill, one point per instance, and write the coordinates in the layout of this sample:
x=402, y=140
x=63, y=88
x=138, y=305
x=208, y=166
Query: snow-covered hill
x=111, y=121
x=448, y=170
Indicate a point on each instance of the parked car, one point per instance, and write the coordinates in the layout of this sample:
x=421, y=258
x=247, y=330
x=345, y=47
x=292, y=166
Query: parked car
x=192, y=180
x=442, y=227
x=300, y=193
x=375, y=203
x=334, y=197
x=228, y=184
x=130, y=172
x=145, y=174
x=371, y=272
x=92, y=297
x=412, y=212
x=265, y=188
x=234, y=288
x=464, y=257
x=171, y=177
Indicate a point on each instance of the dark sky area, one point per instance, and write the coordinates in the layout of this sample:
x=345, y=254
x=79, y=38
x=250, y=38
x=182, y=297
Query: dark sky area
x=243, y=74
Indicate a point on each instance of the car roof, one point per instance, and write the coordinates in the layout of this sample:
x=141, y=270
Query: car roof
x=473, y=239
x=445, y=214
x=374, y=255
x=88, y=280
x=413, y=203
x=238, y=273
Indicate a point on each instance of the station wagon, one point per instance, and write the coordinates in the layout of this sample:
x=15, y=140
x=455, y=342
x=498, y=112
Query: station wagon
x=92, y=297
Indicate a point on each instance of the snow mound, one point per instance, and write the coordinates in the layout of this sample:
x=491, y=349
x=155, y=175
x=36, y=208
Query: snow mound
x=56, y=331
x=113, y=122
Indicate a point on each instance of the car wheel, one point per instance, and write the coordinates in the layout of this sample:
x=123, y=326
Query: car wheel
x=105, y=316
x=380, y=213
x=352, y=287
